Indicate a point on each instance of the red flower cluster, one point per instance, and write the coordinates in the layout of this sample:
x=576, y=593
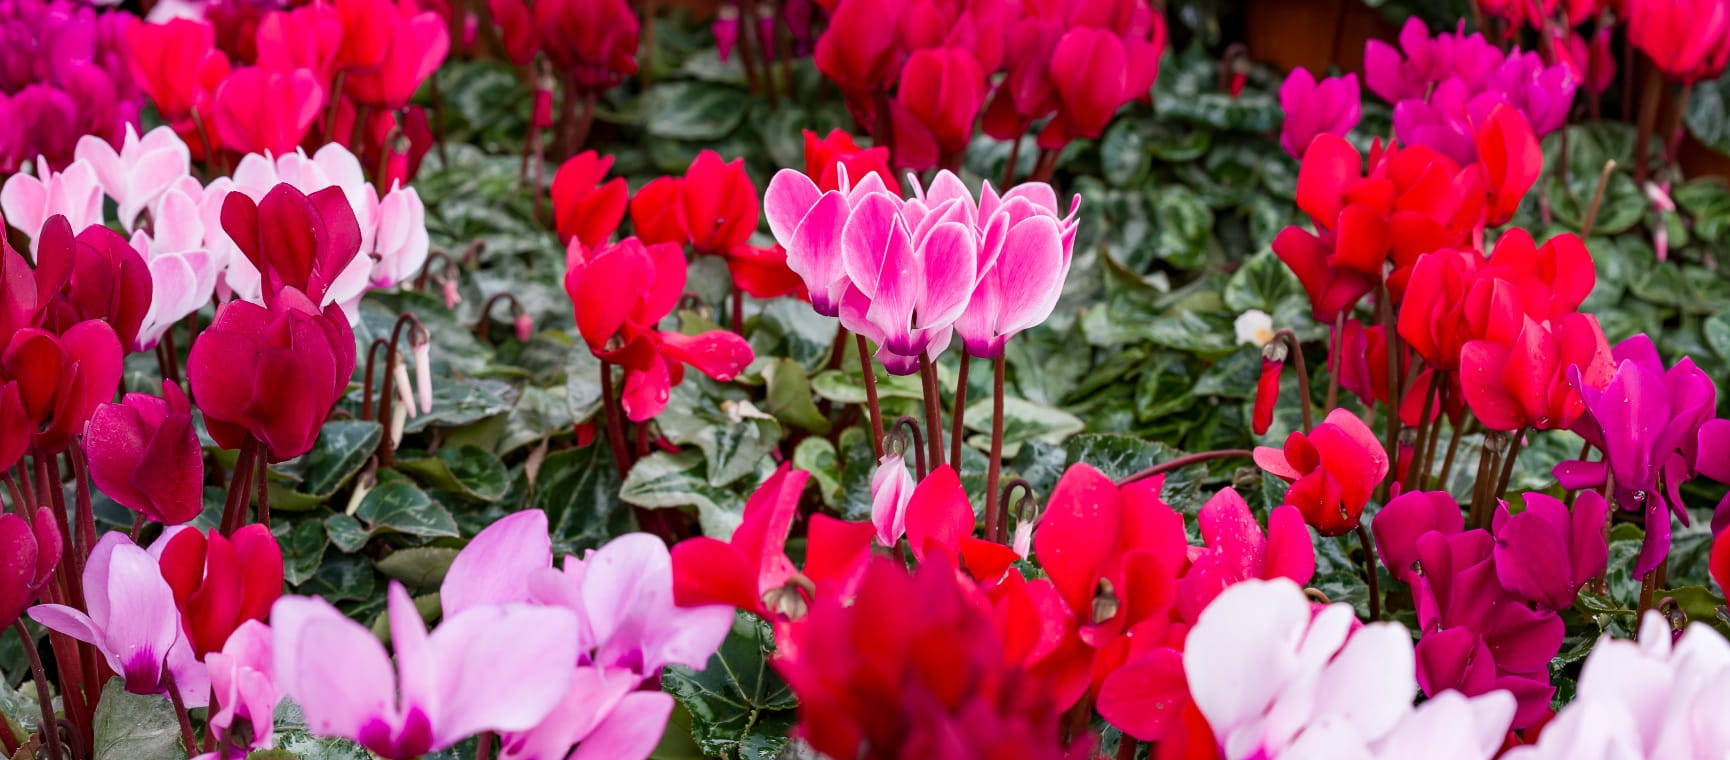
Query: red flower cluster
x=220, y=582
x=253, y=80
x=886, y=662
x=1076, y=62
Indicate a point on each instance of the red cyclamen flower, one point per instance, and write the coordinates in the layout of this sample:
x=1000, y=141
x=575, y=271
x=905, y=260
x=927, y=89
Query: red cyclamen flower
x=220, y=582
x=1332, y=469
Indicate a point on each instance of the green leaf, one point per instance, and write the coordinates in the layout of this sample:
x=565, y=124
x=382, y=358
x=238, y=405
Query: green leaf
x=789, y=328
x=1123, y=155
x=469, y=470
x=1023, y=420
x=790, y=396
x=398, y=506
x=1118, y=456
x=582, y=384
x=459, y=402
x=579, y=490
x=135, y=726
x=702, y=412
x=303, y=542
x=817, y=456
x=342, y=578
x=695, y=111
x=661, y=480
x=346, y=532
x=420, y=567
x=342, y=448
x=738, y=705
x=1183, y=224
x=299, y=744
x=847, y=386
x=1261, y=283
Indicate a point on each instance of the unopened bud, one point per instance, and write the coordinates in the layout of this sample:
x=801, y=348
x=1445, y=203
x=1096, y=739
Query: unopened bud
x=452, y=297
x=398, y=415
x=423, y=374
x=404, y=389
x=525, y=325
x=1023, y=539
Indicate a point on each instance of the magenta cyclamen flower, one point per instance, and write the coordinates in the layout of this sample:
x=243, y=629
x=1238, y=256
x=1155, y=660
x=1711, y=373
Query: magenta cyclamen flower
x=1647, y=423
x=808, y=222
x=132, y=620
x=912, y=273
x=1034, y=246
x=1331, y=106
x=144, y=454
x=490, y=668
x=1547, y=552
x=1427, y=61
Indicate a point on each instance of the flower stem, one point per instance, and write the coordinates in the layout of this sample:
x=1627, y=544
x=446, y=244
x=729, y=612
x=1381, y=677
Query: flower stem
x=1396, y=378
x=870, y=375
x=1508, y=462
x=186, y=736
x=1597, y=199
x=50, y=729
x=933, y=409
x=1677, y=127
x=1296, y=351
x=1441, y=481
x=1425, y=432
x=239, y=487
x=1487, y=469
x=484, y=746
x=1335, y=360
x=1370, y=578
x=263, y=488
x=1648, y=120
x=615, y=421
x=1185, y=461
x=994, y=463
x=957, y=429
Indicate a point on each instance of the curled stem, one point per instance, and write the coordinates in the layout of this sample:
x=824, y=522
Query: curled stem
x=1184, y=461
x=904, y=436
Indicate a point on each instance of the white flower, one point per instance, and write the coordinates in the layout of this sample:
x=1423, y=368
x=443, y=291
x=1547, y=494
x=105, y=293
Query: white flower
x=1254, y=327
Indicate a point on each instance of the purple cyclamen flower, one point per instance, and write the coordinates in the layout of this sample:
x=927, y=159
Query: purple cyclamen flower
x=1332, y=106
x=1547, y=552
x=1647, y=423
x=1427, y=61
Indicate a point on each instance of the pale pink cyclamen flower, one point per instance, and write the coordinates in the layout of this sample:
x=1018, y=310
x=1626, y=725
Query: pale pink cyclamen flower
x=912, y=269
x=183, y=273
x=140, y=172
x=491, y=668
x=29, y=201
x=628, y=629
x=1278, y=678
x=1662, y=697
x=1331, y=106
x=891, y=489
x=131, y=618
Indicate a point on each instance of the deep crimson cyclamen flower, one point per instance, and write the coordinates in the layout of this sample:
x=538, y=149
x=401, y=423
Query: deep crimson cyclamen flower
x=1548, y=551
x=106, y=279
x=220, y=582
x=584, y=206
x=172, y=62
x=60, y=378
x=260, y=111
x=144, y=454
x=592, y=41
x=875, y=680
x=620, y=293
x=417, y=43
x=942, y=89
x=1332, y=469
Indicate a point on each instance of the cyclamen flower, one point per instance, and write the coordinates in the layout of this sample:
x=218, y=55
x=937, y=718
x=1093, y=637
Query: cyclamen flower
x=140, y=172
x=1647, y=422
x=1332, y=469
x=837, y=155
x=891, y=488
x=1547, y=552
x=1526, y=383
x=1276, y=678
x=131, y=619
x=30, y=201
x=1331, y=106
x=243, y=681
x=30, y=548
x=585, y=207
x=220, y=582
x=1423, y=61
x=490, y=668
x=1660, y=697
x=144, y=454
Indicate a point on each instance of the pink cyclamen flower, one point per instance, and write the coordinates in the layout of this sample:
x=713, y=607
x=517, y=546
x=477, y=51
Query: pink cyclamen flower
x=140, y=172
x=1660, y=697
x=913, y=272
x=183, y=273
x=242, y=677
x=1276, y=677
x=1025, y=251
x=132, y=620
x=808, y=223
x=629, y=627
x=29, y=202
x=1547, y=552
x=1331, y=106
x=1236, y=550
x=891, y=488
x=490, y=668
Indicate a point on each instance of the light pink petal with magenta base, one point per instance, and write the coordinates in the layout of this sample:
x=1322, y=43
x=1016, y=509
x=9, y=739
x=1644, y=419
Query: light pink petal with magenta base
x=631, y=731
x=1031, y=273
x=333, y=667
x=950, y=265
x=874, y=230
x=494, y=567
x=788, y=199
x=501, y=668
x=592, y=695
x=814, y=251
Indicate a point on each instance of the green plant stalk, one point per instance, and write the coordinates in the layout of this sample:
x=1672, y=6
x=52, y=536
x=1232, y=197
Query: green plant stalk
x=38, y=674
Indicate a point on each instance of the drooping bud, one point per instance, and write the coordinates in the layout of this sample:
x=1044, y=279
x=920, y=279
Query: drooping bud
x=422, y=348
x=404, y=389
